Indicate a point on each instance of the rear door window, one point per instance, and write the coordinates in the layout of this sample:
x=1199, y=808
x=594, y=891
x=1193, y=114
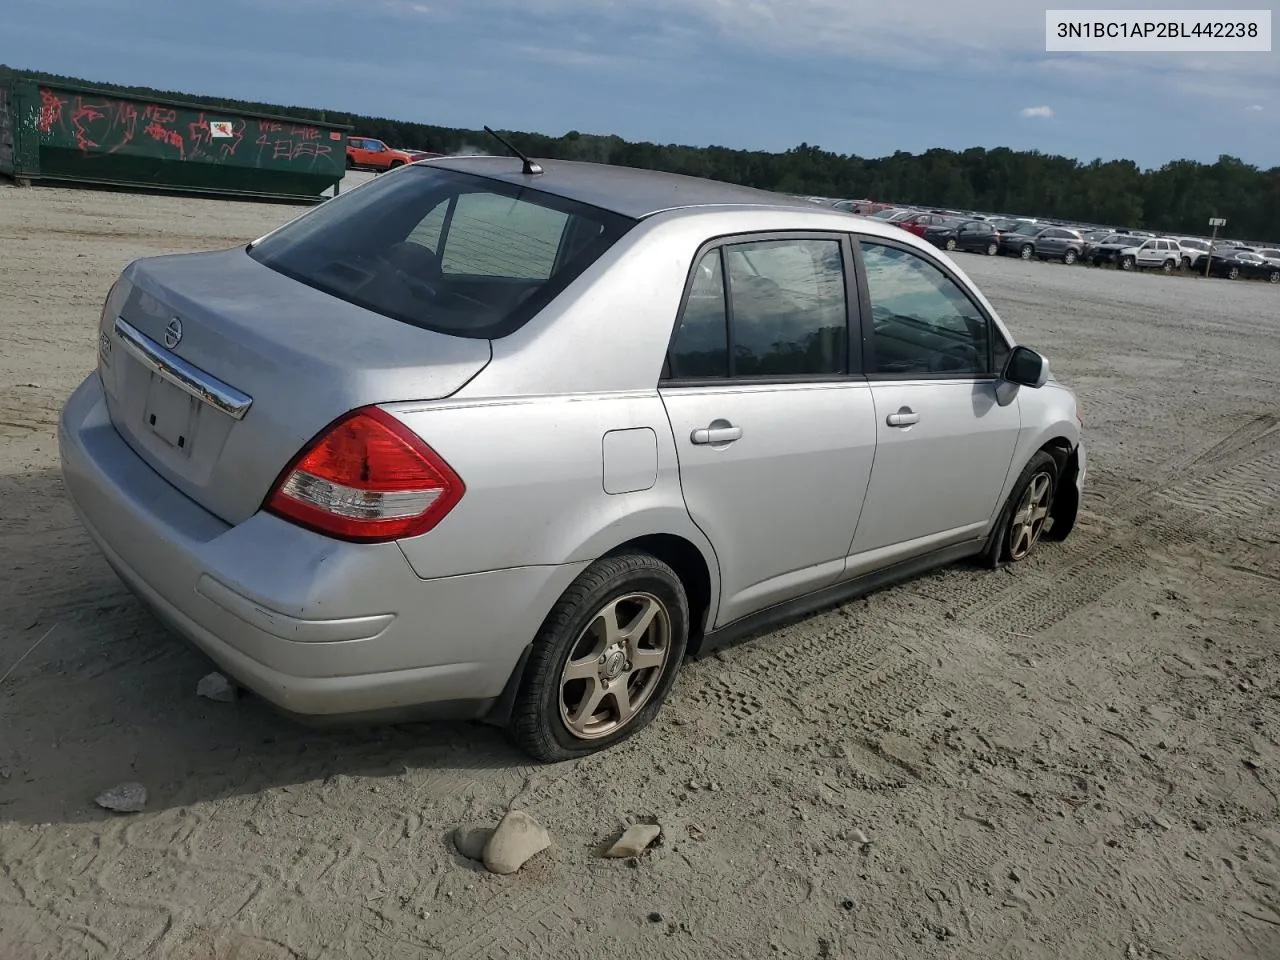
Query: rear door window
x=765, y=308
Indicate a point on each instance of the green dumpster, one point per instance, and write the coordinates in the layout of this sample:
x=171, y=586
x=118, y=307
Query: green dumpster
x=67, y=132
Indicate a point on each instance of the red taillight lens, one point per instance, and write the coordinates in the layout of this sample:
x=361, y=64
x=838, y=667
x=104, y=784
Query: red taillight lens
x=367, y=478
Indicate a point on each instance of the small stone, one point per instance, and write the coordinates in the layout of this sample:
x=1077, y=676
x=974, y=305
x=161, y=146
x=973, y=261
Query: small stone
x=1200, y=825
x=1015, y=876
x=214, y=686
x=655, y=917
x=517, y=838
x=1252, y=764
x=123, y=798
x=470, y=840
x=634, y=840
x=5, y=773
x=858, y=837
x=847, y=904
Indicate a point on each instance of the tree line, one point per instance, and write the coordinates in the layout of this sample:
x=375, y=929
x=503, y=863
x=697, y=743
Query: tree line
x=1179, y=197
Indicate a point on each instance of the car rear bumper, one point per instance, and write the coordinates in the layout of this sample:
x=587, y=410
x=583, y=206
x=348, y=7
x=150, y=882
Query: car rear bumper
x=314, y=625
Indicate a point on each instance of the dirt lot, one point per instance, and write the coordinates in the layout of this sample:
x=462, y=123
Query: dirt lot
x=1079, y=758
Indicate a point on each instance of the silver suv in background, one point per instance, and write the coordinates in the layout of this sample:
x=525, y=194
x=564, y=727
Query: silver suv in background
x=1157, y=253
x=502, y=441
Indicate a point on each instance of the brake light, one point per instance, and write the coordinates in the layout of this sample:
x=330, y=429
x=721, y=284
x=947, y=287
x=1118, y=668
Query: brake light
x=366, y=478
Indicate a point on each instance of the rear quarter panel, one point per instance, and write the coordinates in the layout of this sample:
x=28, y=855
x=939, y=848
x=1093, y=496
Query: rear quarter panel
x=535, y=489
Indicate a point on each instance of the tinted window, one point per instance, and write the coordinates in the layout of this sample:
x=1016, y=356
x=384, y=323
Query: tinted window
x=788, y=310
x=923, y=323
x=700, y=347
x=497, y=236
x=443, y=250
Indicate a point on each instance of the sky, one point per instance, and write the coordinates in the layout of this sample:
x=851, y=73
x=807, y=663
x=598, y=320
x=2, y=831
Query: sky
x=868, y=77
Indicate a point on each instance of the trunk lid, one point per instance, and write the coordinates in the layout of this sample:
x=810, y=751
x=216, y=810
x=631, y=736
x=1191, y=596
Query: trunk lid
x=297, y=357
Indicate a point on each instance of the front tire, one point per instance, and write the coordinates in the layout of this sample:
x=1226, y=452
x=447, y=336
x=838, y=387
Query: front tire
x=992, y=249
x=1026, y=252
x=1025, y=514
x=1070, y=257
x=950, y=244
x=604, y=661
x=1233, y=273
x=1275, y=277
x=1127, y=263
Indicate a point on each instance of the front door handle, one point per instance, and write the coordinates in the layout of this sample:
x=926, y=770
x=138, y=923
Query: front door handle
x=726, y=433
x=903, y=418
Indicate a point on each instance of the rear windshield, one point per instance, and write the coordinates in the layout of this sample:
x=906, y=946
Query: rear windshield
x=442, y=250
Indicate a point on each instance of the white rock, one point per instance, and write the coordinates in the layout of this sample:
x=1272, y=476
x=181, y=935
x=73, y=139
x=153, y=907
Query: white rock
x=214, y=686
x=517, y=838
x=123, y=798
x=858, y=837
x=634, y=840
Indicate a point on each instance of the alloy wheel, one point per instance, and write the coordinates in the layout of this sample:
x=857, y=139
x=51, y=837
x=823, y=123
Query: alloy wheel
x=615, y=665
x=1026, y=253
x=1029, y=520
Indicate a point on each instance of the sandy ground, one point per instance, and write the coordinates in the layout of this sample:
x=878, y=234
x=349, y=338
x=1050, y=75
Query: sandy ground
x=1076, y=758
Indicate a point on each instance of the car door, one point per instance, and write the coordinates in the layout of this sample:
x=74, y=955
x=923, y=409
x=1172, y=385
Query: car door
x=945, y=442
x=1056, y=245
x=775, y=436
x=1148, y=254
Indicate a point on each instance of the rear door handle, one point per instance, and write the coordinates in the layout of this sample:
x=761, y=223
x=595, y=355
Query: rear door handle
x=903, y=418
x=709, y=435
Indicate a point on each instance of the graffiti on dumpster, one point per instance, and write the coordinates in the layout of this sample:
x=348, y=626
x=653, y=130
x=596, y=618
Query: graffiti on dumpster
x=98, y=125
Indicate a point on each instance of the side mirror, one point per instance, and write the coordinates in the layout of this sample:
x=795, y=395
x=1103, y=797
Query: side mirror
x=1026, y=368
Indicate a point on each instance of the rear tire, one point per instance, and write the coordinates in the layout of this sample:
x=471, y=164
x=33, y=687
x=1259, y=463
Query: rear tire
x=1275, y=277
x=1170, y=266
x=1025, y=514
x=1233, y=273
x=549, y=719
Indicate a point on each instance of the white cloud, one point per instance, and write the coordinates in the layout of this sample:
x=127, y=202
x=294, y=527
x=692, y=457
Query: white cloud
x=1037, y=113
x=1003, y=39
x=1254, y=108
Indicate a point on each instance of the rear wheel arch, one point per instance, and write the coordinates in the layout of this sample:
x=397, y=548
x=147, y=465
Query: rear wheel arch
x=689, y=565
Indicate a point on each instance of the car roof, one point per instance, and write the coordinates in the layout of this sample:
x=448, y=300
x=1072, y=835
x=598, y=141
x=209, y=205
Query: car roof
x=629, y=191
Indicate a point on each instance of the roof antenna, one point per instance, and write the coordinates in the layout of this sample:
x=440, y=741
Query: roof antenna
x=531, y=169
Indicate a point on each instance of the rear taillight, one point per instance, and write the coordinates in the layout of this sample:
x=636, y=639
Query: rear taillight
x=366, y=478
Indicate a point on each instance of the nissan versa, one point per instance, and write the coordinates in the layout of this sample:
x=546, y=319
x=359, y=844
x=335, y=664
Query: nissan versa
x=491, y=440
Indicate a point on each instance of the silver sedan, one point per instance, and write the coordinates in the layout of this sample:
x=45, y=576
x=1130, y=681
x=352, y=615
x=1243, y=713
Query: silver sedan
x=492, y=441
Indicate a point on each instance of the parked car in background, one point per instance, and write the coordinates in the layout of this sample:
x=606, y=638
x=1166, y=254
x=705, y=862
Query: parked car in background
x=917, y=223
x=366, y=153
x=1241, y=264
x=1108, y=249
x=1157, y=253
x=1193, y=251
x=1059, y=243
x=461, y=535
x=975, y=236
x=1029, y=241
x=1270, y=254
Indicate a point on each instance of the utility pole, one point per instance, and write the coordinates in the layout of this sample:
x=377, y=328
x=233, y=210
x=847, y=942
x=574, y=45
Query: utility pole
x=1214, y=222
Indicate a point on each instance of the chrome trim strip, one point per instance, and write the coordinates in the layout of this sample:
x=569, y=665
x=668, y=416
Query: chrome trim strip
x=184, y=376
